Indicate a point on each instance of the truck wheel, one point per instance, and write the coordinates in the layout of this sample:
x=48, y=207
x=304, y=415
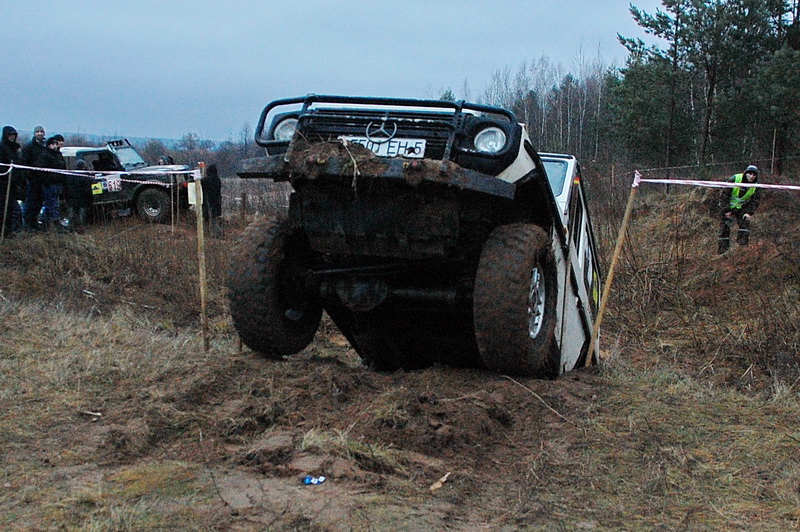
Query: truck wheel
x=514, y=306
x=154, y=205
x=274, y=310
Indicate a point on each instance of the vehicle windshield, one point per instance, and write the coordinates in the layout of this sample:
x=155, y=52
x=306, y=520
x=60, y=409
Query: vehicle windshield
x=556, y=173
x=129, y=159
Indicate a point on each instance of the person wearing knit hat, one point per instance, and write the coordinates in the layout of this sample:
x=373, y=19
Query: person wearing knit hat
x=738, y=204
x=53, y=183
x=34, y=188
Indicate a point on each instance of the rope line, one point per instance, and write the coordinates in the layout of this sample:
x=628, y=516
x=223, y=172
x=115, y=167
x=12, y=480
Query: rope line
x=104, y=174
x=712, y=184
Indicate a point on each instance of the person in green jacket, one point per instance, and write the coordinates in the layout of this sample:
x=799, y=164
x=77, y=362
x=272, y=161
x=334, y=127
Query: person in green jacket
x=738, y=204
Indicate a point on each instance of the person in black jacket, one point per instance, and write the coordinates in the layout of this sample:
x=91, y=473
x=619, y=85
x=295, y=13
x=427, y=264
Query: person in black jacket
x=52, y=181
x=78, y=193
x=34, y=188
x=212, y=199
x=10, y=213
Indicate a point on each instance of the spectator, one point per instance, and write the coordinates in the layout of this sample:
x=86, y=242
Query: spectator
x=165, y=160
x=34, y=188
x=10, y=213
x=212, y=199
x=78, y=193
x=738, y=205
x=52, y=182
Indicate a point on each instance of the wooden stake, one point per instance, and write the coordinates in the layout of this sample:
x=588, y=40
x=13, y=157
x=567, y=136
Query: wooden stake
x=201, y=252
x=174, y=199
x=610, y=279
x=5, y=205
x=774, y=139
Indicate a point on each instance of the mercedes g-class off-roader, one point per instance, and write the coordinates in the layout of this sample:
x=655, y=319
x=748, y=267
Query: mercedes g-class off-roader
x=429, y=231
x=122, y=179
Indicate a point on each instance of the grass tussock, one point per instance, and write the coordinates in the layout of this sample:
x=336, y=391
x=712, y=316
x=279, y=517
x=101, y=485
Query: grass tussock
x=152, y=269
x=734, y=317
x=697, y=454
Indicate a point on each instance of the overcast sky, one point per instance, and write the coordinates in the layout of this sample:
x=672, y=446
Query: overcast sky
x=148, y=68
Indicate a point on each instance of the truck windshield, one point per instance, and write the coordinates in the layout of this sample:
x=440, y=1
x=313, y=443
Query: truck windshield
x=129, y=159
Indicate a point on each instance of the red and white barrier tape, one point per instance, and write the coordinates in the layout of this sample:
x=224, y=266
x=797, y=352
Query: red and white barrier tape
x=104, y=174
x=710, y=184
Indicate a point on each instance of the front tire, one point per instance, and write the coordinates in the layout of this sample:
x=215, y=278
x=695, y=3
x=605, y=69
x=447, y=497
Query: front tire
x=274, y=310
x=154, y=205
x=514, y=308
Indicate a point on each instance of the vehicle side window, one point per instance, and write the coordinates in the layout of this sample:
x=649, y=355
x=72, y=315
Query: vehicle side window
x=590, y=278
x=576, y=220
x=580, y=235
x=105, y=161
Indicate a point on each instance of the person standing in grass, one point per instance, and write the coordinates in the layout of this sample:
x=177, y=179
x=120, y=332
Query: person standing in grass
x=78, y=194
x=34, y=188
x=212, y=200
x=52, y=181
x=738, y=204
x=9, y=183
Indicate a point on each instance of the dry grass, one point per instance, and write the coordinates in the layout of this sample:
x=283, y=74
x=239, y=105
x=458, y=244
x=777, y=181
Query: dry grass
x=113, y=417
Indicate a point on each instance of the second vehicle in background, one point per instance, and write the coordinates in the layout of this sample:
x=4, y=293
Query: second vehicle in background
x=123, y=179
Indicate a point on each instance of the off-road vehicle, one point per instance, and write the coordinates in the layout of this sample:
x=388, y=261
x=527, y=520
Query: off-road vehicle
x=427, y=230
x=123, y=179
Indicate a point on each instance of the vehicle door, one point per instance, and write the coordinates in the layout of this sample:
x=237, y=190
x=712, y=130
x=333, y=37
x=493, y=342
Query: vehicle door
x=107, y=179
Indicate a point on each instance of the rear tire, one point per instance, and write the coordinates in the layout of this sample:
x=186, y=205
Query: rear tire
x=154, y=205
x=273, y=310
x=514, y=308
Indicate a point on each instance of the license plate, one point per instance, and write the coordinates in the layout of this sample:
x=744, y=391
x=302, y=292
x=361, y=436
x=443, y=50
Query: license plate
x=413, y=148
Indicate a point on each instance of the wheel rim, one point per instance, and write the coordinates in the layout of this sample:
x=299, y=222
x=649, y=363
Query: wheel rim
x=152, y=207
x=536, y=298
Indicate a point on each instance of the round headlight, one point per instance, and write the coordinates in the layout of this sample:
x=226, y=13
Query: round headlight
x=490, y=140
x=284, y=131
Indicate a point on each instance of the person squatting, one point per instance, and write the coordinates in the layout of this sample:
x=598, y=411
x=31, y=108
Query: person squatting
x=738, y=204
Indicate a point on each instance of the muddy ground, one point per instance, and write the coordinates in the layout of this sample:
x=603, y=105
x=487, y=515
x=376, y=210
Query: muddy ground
x=114, y=417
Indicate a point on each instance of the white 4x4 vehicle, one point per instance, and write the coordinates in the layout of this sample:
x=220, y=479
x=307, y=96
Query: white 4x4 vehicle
x=427, y=230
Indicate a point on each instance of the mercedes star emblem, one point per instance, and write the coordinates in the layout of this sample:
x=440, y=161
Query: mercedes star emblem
x=380, y=134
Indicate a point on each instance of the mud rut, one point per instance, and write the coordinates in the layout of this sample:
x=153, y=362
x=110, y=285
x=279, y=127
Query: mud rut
x=492, y=434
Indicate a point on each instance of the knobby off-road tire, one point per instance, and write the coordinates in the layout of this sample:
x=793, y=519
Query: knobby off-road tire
x=154, y=205
x=273, y=311
x=514, y=308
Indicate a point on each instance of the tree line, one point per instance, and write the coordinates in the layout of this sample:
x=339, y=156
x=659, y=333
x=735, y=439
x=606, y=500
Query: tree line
x=722, y=85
